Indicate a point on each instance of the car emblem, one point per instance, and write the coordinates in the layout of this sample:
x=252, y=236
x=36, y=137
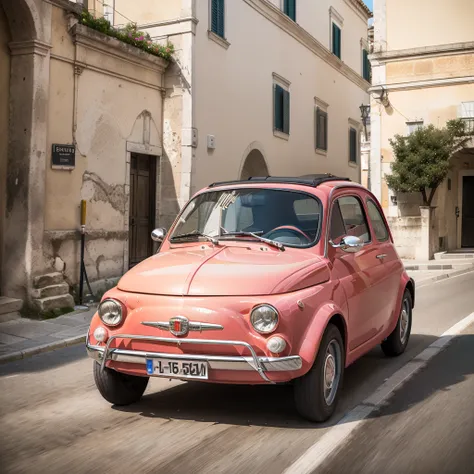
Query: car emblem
x=179, y=326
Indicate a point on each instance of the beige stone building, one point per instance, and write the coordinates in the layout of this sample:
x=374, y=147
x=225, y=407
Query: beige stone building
x=63, y=88
x=256, y=87
x=423, y=68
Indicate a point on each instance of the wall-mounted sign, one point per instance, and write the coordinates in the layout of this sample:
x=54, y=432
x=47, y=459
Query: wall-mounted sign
x=63, y=157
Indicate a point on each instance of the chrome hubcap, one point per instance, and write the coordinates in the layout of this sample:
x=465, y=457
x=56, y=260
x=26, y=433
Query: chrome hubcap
x=404, y=321
x=332, y=371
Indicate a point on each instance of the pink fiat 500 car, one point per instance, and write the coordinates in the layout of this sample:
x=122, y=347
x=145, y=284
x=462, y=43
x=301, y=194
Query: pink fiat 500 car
x=262, y=281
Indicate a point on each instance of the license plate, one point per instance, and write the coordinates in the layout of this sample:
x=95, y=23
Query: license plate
x=177, y=368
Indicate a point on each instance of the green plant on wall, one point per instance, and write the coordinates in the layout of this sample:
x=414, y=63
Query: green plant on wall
x=422, y=159
x=129, y=34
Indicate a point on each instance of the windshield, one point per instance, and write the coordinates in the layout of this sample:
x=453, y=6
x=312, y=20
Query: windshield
x=288, y=217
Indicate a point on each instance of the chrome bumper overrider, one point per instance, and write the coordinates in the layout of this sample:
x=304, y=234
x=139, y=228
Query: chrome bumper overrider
x=104, y=353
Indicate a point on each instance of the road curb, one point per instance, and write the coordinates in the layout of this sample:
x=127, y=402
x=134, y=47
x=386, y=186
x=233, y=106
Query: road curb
x=41, y=349
x=445, y=276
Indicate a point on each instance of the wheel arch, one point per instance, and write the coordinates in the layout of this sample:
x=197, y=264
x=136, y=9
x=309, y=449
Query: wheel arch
x=325, y=315
x=410, y=286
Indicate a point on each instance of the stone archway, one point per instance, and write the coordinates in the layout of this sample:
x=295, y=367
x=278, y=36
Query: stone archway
x=25, y=53
x=254, y=165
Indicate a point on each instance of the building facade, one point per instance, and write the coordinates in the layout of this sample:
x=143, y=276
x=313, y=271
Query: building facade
x=279, y=96
x=423, y=73
x=272, y=87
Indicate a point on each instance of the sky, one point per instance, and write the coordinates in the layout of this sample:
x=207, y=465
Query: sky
x=370, y=4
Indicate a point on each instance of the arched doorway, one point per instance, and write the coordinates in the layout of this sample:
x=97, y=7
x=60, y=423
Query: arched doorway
x=254, y=165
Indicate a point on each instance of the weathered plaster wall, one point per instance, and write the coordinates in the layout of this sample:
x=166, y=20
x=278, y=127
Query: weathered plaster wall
x=106, y=97
x=5, y=38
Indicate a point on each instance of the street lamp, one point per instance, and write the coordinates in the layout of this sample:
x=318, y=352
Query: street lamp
x=364, y=113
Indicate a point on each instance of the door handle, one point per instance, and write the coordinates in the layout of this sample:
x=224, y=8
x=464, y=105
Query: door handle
x=381, y=256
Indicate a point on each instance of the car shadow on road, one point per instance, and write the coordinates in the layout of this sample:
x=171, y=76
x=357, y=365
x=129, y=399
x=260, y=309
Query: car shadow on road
x=450, y=367
x=266, y=405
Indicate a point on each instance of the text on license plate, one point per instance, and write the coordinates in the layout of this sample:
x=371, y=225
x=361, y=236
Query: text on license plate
x=186, y=369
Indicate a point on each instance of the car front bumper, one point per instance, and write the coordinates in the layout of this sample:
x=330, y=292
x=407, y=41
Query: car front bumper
x=262, y=365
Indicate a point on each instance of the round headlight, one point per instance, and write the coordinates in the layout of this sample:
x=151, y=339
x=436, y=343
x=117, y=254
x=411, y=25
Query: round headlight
x=110, y=312
x=264, y=318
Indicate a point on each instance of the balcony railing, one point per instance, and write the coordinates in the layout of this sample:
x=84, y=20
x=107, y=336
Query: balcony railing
x=469, y=121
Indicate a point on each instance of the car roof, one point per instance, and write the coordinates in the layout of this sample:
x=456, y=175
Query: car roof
x=309, y=180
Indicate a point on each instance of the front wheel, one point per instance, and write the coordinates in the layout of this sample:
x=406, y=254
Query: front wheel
x=117, y=388
x=396, y=343
x=317, y=392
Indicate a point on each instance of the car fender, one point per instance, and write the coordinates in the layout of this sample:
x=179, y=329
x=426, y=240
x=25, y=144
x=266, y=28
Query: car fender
x=315, y=331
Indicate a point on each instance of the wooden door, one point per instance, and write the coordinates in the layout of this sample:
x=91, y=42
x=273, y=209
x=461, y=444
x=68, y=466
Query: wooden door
x=142, y=207
x=467, y=224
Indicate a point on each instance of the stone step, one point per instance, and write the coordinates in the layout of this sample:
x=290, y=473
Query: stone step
x=48, y=279
x=54, y=302
x=468, y=256
x=9, y=305
x=52, y=290
x=9, y=316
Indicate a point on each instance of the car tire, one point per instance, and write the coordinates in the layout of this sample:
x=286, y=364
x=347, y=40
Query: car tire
x=314, y=400
x=396, y=343
x=117, y=388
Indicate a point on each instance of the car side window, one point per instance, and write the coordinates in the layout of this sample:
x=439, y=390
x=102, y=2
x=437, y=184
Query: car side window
x=337, y=224
x=378, y=224
x=348, y=218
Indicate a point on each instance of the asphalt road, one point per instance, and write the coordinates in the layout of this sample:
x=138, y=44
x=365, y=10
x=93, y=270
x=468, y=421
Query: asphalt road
x=53, y=420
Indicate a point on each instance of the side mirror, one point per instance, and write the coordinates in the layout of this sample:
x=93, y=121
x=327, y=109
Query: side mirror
x=158, y=235
x=349, y=243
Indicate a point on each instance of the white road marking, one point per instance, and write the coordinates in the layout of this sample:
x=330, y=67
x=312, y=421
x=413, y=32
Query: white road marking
x=335, y=437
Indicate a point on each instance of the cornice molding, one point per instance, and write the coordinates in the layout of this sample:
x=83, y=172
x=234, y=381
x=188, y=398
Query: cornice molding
x=277, y=17
x=360, y=9
x=408, y=85
x=92, y=39
x=19, y=48
x=424, y=52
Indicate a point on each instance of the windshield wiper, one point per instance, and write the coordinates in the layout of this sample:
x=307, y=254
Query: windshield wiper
x=273, y=243
x=195, y=234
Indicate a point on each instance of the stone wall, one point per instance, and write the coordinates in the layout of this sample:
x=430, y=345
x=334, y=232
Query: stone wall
x=406, y=233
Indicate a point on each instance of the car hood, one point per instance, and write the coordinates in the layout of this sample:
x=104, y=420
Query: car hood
x=204, y=270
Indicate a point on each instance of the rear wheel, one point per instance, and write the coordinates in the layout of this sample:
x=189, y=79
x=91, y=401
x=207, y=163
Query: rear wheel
x=317, y=392
x=117, y=388
x=396, y=343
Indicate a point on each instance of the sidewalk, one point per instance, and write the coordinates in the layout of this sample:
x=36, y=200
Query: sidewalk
x=23, y=337
x=434, y=270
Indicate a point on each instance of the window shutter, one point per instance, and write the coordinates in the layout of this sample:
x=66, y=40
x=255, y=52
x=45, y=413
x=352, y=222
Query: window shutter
x=352, y=145
x=365, y=65
x=336, y=40
x=278, y=107
x=325, y=129
x=214, y=16
x=221, y=18
x=217, y=17
x=286, y=112
x=289, y=8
